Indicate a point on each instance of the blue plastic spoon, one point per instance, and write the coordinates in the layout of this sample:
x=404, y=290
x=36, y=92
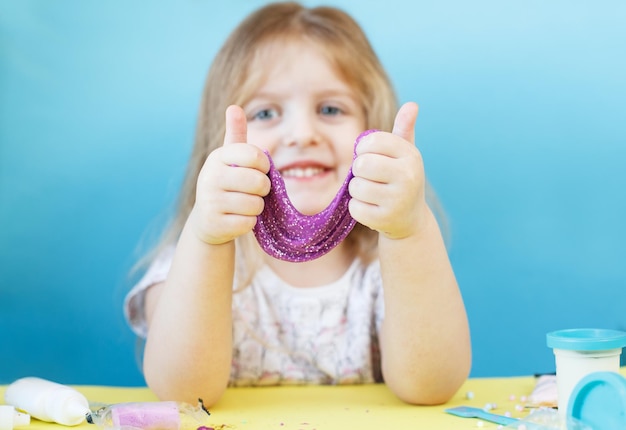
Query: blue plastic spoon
x=469, y=412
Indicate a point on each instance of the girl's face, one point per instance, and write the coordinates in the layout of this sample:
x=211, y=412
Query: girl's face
x=307, y=118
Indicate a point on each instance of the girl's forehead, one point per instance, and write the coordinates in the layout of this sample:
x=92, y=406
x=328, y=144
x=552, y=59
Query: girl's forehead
x=288, y=49
x=280, y=55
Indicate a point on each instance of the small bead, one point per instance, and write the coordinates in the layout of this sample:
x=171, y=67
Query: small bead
x=490, y=406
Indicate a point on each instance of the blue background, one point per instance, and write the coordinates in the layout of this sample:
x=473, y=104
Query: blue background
x=522, y=127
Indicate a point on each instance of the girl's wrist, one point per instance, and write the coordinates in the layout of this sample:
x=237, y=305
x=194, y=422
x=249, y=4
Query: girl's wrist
x=195, y=226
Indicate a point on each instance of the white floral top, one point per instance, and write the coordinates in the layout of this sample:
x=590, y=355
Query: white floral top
x=288, y=335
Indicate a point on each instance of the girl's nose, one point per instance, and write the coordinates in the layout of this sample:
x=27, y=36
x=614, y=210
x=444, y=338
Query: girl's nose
x=301, y=132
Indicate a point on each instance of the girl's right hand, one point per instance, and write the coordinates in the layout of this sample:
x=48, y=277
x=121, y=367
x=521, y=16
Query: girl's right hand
x=231, y=185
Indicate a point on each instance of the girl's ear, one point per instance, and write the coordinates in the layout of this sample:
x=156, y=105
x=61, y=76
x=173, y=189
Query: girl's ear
x=236, y=125
x=404, y=124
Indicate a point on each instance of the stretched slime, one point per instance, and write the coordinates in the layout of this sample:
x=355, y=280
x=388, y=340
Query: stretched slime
x=166, y=415
x=285, y=233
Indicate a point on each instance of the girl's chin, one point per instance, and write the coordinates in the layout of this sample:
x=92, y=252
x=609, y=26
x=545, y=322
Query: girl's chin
x=311, y=206
x=307, y=210
x=310, y=203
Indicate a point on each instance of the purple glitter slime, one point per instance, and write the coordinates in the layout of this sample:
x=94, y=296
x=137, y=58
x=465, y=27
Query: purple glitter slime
x=147, y=416
x=285, y=233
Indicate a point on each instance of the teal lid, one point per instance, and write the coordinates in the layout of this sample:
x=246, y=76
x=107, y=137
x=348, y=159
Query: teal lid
x=599, y=401
x=586, y=339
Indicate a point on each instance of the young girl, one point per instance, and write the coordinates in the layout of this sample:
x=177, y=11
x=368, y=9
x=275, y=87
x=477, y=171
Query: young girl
x=302, y=84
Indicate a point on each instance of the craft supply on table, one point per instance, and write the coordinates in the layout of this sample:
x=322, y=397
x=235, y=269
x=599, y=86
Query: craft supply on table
x=167, y=415
x=545, y=392
x=470, y=412
x=10, y=418
x=47, y=401
x=538, y=419
x=580, y=352
x=599, y=401
x=285, y=233
x=548, y=419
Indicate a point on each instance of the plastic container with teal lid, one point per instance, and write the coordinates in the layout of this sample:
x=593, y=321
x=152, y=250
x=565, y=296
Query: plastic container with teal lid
x=579, y=352
x=599, y=401
x=586, y=339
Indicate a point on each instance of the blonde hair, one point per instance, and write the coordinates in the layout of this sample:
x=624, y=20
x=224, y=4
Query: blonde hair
x=232, y=80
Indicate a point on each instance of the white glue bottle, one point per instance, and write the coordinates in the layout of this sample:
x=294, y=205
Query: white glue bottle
x=10, y=418
x=47, y=401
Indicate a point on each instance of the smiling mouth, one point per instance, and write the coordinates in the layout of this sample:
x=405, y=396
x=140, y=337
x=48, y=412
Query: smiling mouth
x=302, y=172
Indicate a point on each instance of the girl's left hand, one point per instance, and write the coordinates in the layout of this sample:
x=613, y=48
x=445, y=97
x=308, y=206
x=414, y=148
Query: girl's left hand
x=388, y=188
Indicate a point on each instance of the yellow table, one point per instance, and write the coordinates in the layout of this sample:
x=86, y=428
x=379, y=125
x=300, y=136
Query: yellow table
x=359, y=407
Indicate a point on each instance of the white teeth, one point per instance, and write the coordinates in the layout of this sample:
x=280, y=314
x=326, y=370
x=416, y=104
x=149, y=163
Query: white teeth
x=297, y=172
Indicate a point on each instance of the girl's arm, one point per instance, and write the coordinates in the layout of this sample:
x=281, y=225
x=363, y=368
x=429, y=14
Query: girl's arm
x=425, y=343
x=188, y=348
x=425, y=340
x=189, y=344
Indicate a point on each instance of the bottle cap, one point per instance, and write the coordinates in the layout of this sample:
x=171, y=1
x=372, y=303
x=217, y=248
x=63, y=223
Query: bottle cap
x=599, y=401
x=10, y=418
x=68, y=408
x=21, y=419
x=586, y=339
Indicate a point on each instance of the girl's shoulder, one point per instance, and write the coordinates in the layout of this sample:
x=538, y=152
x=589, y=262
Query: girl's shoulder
x=134, y=301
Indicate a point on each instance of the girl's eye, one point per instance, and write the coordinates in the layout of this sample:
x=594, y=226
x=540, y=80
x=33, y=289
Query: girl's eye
x=265, y=114
x=330, y=110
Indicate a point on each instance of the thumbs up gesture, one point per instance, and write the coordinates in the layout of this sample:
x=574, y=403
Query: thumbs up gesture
x=231, y=185
x=388, y=188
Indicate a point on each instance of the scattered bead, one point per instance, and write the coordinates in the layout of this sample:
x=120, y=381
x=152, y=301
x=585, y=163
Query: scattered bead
x=512, y=397
x=523, y=399
x=479, y=423
x=519, y=408
x=507, y=414
x=490, y=406
x=469, y=395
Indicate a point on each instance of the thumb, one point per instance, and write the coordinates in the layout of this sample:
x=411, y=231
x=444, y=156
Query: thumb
x=404, y=124
x=236, y=125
